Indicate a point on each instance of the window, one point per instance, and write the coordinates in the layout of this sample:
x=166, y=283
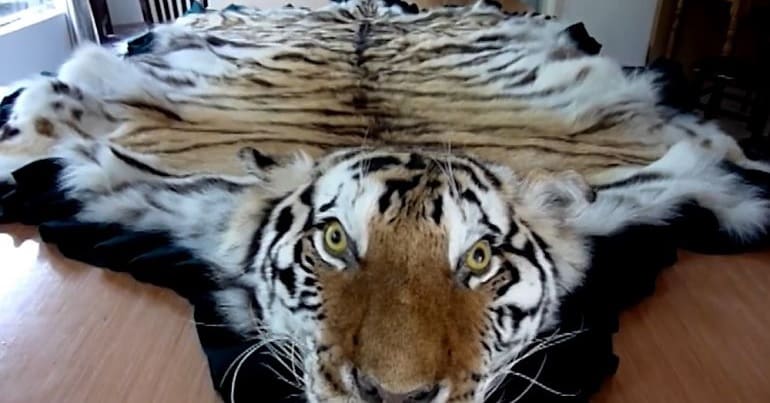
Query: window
x=36, y=35
x=15, y=10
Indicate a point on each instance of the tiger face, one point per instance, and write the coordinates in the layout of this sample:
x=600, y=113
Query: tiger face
x=413, y=277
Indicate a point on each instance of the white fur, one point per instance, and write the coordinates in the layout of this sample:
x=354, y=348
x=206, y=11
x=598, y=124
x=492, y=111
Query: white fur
x=694, y=174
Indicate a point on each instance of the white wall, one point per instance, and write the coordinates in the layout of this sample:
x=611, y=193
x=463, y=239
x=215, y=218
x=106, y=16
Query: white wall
x=623, y=27
x=42, y=46
x=125, y=12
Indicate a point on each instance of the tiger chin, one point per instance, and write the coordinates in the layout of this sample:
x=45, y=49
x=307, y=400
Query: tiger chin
x=400, y=276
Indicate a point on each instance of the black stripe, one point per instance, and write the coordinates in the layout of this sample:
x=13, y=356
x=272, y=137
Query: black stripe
x=306, y=294
x=486, y=346
x=256, y=240
x=298, y=249
x=375, y=164
x=508, y=239
x=362, y=36
x=306, y=197
x=288, y=278
x=298, y=57
x=283, y=223
x=163, y=111
x=606, y=122
x=471, y=197
x=515, y=277
x=217, y=42
x=471, y=173
x=396, y=185
x=308, y=307
x=9, y=132
x=156, y=205
x=202, y=183
x=261, y=160
x=416, y=161
x=327, y=206
x=142, y=166
x=485, y=220
x=637, y=179
x=488, y=174
x=438, y=209
x=198, y=146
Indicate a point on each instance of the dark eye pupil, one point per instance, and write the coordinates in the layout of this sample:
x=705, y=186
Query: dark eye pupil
x=335, y=236
x=479, y=255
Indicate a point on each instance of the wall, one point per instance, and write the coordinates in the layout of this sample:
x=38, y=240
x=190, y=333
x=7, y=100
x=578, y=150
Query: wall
x=623, y=27
x=42, y=46
x=124, y=12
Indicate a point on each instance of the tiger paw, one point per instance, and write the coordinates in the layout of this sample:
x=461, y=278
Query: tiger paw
x=35, y=196
x=149, y=256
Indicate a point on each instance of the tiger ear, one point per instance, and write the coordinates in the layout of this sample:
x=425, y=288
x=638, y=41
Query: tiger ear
x=558, y=196
x=283, y=174
x=255, y=162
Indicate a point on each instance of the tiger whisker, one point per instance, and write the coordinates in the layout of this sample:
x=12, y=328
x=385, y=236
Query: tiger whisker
x=551, y=341
x=277, y=347
x=543, y=346
x=282, y=377
x=237, y=359
x=238, y=370
x=281, y=353
x=452, y=180
x=532, y=381
x=204, y=324
x=535, y=382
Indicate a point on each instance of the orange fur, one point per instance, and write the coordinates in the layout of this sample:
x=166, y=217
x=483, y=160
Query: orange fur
x=399, y=317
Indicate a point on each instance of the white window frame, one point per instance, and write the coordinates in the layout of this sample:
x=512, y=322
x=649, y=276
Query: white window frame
x=40, y=40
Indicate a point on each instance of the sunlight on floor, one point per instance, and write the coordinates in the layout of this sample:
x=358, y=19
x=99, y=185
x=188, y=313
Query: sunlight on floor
x=16, y=260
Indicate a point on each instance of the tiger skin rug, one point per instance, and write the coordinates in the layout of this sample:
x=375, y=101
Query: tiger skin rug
x=368, y=203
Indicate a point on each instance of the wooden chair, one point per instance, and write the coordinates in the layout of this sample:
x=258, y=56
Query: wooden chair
x=717, y=76
x=159, y=11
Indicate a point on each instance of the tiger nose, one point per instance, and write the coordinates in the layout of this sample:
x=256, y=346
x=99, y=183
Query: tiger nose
x=372, y=392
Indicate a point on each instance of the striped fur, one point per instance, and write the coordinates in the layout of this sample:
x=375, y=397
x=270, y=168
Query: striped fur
x=244, y=132
x=510, y=89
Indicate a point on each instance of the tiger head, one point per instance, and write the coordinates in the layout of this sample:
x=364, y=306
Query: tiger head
x=415, y=277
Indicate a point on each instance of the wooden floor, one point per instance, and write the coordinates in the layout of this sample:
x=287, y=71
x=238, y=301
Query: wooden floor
x=70, y=333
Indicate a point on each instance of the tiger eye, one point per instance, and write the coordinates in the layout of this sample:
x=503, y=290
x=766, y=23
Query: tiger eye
x=478, y=257
x=335, y=240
